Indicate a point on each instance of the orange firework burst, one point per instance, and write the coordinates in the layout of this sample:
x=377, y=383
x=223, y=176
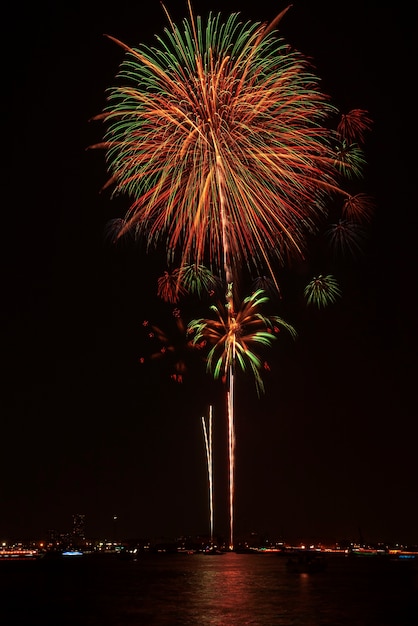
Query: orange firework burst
x=218, y=135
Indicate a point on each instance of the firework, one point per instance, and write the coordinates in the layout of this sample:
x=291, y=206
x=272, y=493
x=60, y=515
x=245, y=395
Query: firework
x=235, y=339
x=359, y=208
x=169, y=287
x=353, y=126
x=346, y=238
x=173, y=351
x=218, y=135
x=322, y=290
x=349, y=159
x=198, y=280
x=207, y=425
x=233, y=336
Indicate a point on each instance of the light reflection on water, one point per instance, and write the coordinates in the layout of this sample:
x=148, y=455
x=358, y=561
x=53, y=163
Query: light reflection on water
x=199, y=590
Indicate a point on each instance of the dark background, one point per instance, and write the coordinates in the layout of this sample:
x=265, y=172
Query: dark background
x=330, y=451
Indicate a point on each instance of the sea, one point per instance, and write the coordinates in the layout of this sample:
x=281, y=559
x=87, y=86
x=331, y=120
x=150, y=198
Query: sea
x=207, y=590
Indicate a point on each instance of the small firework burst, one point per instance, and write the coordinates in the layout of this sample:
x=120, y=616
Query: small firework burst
x=354, y=125
x=359, y=208
x=198, y=280
x=169, y=287
x=322, y=291
x=113, y=229
x=349, y=159
x=346, y=238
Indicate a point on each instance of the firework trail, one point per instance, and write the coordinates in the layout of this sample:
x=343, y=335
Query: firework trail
x=207, y=425
x=231, y=452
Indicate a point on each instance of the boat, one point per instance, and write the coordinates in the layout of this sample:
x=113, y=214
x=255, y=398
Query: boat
x=18, y=554
x=213, y=551
x=307, y=562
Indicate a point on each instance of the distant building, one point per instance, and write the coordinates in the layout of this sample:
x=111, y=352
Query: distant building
x=78, y=530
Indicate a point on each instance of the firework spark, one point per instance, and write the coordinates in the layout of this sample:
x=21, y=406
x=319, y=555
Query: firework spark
x=171, y=348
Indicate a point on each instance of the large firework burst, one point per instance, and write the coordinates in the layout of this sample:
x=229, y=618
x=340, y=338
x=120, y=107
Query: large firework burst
x=218, y=135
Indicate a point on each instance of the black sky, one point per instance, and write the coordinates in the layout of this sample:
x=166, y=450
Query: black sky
x=331, y=450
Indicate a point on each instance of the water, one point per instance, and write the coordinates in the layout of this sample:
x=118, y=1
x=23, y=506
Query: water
x=198, y=590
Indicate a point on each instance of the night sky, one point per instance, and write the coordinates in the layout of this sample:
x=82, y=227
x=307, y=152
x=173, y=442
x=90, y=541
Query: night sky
x=330, y=451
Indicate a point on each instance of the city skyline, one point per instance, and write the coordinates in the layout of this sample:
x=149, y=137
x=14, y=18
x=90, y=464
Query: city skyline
x=76, y=536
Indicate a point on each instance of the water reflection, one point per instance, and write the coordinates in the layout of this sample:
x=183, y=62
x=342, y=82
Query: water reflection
x=199, y=590
x=237, y=589
x=225, y=584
